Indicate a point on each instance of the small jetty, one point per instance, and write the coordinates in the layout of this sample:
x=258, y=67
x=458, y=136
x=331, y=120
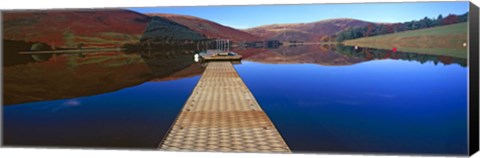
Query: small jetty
x=219, y=55
x=222, y=114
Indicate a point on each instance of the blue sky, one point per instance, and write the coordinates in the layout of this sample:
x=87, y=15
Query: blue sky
x=252, y=16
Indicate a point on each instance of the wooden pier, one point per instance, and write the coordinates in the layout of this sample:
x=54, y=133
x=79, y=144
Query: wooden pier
x=222, y=114
x=219, y=55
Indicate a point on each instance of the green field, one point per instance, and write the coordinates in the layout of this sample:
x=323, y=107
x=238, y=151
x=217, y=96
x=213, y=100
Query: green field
x=442, y=40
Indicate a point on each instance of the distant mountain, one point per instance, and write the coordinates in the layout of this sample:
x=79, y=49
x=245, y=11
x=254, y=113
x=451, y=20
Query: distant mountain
x=116, y=27
x=210, y=29
x=310, y=32
x=70, y=28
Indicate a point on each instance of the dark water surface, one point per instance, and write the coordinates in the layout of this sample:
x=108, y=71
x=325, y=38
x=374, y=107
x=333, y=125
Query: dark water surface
x=380, y=106
x=125, y=100
x=321, y=99
x=407, y=103
x=132, y=117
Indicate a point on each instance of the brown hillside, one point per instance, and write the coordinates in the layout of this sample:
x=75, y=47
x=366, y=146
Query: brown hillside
x=68, y=28
x=311, y=32
x=210, y=29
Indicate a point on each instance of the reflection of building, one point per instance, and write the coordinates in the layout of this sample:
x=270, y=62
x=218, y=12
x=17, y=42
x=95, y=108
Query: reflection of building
x=273, y=44
x=256, y=44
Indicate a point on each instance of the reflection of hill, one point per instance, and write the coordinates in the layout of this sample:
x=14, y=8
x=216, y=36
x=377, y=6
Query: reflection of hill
x=371, y=54
x=338, y=55
x=165, y=63
x=70, y=76
x=314, y=54
x=194, y=69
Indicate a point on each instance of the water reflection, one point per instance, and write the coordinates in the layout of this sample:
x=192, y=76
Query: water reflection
x=61, y=76
x=130, y=99
x=101, y=99
x=168, y=62
x=388, y=106
x=372, y=54
x=339, y=55
x=314, y=54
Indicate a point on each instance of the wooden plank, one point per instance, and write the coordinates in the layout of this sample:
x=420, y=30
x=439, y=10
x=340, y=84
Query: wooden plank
x=220, y=58
x=213, y=55
x=222, y=115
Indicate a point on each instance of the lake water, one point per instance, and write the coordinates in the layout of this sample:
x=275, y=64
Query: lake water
x=320, y=98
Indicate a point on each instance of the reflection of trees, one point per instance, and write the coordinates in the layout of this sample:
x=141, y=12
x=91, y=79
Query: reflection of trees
x=370, y=54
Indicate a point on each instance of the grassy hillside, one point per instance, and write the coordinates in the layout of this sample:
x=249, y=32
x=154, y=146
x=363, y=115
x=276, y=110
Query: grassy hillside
x=443, y=40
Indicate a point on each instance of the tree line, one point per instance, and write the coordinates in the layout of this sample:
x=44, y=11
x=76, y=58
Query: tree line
x=373, y=29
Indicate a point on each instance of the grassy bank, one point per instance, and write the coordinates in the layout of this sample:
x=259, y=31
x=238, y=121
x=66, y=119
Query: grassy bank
x=443, y=40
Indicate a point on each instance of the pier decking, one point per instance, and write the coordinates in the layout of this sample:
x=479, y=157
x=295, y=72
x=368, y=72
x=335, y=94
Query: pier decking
x=212, y=55
x=222, y=115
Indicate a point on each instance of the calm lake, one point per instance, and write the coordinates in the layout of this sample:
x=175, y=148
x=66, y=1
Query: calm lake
x=320, y=98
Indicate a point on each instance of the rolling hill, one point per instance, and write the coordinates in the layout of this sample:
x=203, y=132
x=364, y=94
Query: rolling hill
x=163, y=29
x=309, y=32
x=210, y=29
x=69, y=28
x=441, y=40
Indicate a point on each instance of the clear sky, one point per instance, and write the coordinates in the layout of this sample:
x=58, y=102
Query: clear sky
x=251, y=16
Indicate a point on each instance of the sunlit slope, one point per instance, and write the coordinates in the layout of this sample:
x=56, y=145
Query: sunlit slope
x=443, y=40
x=209, y=28
x=95, y=28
